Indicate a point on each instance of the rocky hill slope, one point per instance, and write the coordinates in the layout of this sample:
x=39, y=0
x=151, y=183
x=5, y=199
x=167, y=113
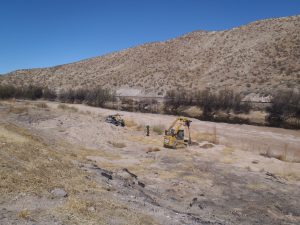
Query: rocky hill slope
x=260, y=57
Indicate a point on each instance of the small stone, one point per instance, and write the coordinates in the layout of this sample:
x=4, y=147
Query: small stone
x=58, y=192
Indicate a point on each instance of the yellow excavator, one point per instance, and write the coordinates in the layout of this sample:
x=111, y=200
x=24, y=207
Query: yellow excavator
x=174, y=136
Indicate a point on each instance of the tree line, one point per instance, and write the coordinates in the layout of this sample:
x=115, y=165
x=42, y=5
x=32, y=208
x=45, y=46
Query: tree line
x=285, y=104
x=94, y=97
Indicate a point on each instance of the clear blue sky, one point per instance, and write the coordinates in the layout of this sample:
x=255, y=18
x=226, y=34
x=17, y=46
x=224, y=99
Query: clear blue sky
x=40, y=33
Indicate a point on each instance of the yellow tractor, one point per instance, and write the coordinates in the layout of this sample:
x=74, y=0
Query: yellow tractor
x=174, y=136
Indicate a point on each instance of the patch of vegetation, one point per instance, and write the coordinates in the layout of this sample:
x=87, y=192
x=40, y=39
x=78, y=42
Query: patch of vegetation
x=158, y=129
x=153, y=149
x=117, y=144
x=94, y=97
x=42, y=105
x=210, y=102
x=67, y=108
x=285, y=110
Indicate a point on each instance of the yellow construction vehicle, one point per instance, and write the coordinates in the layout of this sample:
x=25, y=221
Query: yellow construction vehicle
x=115, y=120
x=174, y=136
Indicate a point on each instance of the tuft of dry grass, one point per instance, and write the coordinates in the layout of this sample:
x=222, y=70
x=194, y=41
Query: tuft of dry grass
x=140, y=127
x=18, y=109
x=282, y=156
x=79, y=205
x=24, y=214
x=205, y=136
x=227, y=156
x=290, y=176
x=153, y=149
x=67, y=108
x=117, y=144
x=130, y=123
x=158, y=129
x=42, y=105
x=256, y=186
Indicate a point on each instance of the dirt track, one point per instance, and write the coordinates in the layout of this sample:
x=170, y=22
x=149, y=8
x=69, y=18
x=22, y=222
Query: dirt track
x=222, y=180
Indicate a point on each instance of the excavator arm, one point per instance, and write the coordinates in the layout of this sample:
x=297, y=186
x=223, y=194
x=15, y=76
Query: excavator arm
x=175, y=134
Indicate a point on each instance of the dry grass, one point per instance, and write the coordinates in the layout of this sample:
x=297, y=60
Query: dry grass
x=290, y=175
x=227, y=156
x=67, y=108
x=153, y=149
x=18, y=109
x=205, y=136
x=80, y=206
x=282, y=156
x=130, y=123
x=29, y=166
x=256, y=186
x=41, y=105
x=24, y=214
x=32, y=167
x=158, y=129
x=117, y=144
x=100, y=211
x=140, y=127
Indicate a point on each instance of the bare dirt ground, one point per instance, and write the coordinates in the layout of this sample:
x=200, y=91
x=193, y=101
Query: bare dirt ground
x=233, y=174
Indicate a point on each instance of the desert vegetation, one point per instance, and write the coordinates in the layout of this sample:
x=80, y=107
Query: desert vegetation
x=24, y=92
x=93, y=97
x=222, y=106
x=84, y=171
x=285, y=109
x=207, y=100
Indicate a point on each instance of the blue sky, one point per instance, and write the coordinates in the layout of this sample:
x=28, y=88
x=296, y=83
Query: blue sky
x=40, y=33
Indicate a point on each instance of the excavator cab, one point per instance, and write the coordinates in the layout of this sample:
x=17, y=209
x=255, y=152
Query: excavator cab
x=175, y=135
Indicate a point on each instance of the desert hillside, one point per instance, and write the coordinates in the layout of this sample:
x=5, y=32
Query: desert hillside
x=260, y=57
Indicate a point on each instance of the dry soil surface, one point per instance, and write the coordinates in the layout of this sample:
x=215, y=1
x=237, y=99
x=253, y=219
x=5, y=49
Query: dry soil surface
x=232, y=174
